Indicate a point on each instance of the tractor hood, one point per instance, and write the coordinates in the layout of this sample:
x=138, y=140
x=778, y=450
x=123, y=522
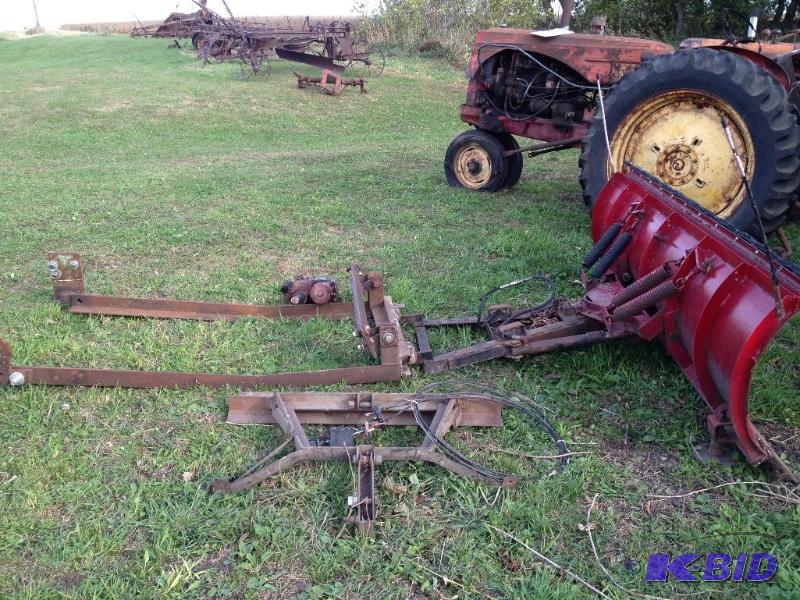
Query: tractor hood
x=593, y=57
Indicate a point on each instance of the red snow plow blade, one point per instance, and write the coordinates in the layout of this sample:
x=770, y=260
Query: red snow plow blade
x=712, y=303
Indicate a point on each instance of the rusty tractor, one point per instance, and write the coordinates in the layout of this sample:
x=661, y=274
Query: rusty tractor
x=645, y=102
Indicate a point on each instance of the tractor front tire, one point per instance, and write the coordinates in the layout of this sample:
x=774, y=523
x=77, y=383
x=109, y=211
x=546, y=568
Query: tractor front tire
x=475, y=161
x=666, y=117
x=514, y=161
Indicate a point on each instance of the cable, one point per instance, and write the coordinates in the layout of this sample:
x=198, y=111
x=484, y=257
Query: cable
x=553, y=292
x=469, y=390
x=538, y=62
x=531, y=115
x=776, y=288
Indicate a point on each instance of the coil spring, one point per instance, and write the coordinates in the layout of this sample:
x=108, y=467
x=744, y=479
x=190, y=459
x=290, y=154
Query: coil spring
x=646, y=300
x=597, y=250
x=617, y=248
x=641, y=285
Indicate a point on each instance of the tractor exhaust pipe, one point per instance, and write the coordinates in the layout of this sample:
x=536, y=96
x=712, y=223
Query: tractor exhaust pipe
x=566, y=13
x=752, y=28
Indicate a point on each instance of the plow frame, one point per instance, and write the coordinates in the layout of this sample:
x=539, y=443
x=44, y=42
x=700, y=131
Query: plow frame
x=376, y=321
x=662, y=268
x=290, y=411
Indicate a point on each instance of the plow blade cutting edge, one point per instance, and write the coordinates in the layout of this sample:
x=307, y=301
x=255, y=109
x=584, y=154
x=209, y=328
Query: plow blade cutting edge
x=723, y=311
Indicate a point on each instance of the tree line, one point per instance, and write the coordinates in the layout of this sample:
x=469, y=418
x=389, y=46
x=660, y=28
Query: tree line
x=450, y=25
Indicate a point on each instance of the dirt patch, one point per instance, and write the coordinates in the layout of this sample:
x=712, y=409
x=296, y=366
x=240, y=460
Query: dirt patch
x=785, y=439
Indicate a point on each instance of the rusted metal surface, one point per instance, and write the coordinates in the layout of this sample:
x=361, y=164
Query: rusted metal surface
x=558, y=78
x=376, y=320
x=310, y=290
x=786, y=246
x=57, y=376
x=328, y=46
x=369, y=411
x=542, y=86
x=603, y=58
x=176, y=25
x=352, y=408
x=66, y=271
x=329, y=82
x=537, y=149
x=365, y=501
x=681, y=275
x=779, y=59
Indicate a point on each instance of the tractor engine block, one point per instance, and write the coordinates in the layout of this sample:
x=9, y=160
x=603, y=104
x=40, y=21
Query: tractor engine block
x=523, y=88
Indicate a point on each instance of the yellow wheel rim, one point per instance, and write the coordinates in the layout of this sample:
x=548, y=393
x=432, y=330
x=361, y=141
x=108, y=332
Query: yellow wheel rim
x=678, y=137
x=473, y=166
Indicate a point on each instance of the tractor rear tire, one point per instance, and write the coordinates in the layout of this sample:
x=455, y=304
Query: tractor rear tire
x=666, y=118
x=475, y=161
x=514, y=161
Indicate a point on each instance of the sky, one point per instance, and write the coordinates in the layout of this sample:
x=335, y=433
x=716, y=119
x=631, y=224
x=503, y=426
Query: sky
x=16, y=15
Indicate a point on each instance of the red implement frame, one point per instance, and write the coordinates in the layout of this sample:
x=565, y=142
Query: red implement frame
x=724, y=314
x=666, y=269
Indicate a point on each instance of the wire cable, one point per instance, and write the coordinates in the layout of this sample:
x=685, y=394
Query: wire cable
x=444, y=391
x=539, y=63
x=553, y=292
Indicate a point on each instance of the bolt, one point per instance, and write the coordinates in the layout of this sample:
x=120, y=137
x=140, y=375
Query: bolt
x=388, y=337
x=16, y=379
x=352, y=501
x=52, y=268
x=73, y=264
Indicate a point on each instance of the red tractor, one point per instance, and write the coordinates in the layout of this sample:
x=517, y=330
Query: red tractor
x=663, y=111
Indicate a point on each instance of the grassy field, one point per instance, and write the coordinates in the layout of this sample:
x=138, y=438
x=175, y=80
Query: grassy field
x=176, y=180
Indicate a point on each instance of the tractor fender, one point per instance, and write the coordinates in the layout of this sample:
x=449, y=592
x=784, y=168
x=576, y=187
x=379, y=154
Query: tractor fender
x=783, y=76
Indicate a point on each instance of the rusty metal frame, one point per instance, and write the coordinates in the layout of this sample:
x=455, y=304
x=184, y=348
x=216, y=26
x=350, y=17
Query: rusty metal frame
x=369, y=410
x=376, y=319
x=330, y=82
x=574, y=325
x=252, y=42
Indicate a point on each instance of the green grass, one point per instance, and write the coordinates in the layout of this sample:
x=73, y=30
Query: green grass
x=180, y=181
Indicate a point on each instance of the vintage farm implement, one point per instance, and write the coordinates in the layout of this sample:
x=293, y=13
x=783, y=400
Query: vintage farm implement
x=327, y=46
x=176, y=26
x=354, y=417
x=662, y=267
